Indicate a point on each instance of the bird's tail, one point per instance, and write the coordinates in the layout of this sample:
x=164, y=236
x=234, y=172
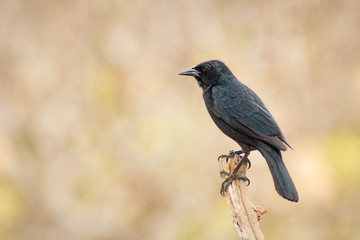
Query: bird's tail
x=282, y=180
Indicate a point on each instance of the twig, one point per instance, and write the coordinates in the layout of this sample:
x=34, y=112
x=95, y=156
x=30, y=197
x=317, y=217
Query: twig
x=245, y=214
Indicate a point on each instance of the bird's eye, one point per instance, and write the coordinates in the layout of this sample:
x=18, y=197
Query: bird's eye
x=206, y=68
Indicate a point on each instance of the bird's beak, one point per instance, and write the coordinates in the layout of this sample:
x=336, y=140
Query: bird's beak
x=190, y=72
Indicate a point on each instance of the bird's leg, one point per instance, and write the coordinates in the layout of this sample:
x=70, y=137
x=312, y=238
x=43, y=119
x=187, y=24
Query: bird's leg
x=231, y=154
x=232, y=176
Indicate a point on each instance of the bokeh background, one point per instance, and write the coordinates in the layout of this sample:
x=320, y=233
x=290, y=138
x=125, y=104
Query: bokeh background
x=101, y=139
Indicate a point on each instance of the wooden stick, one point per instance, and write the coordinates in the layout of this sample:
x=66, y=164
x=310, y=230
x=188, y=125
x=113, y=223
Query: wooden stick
x=245, y=214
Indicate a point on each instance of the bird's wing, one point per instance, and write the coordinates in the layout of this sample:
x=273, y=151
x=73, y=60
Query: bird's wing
x=243, y=110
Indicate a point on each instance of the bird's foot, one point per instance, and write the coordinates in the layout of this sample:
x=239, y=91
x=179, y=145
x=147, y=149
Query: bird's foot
x=231, y=176
x=231, y=154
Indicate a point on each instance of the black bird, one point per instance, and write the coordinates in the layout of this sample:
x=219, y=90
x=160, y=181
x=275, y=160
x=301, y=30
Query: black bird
x=242, y=116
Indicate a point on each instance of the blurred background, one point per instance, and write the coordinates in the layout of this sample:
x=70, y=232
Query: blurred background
x=101, y=139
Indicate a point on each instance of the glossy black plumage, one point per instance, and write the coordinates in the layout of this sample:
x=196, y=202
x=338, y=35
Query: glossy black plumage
x=242, y=116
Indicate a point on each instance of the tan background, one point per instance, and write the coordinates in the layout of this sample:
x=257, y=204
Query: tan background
x=101, y=139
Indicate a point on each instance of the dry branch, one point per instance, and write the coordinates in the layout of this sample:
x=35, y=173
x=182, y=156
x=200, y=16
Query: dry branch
x=245, y=214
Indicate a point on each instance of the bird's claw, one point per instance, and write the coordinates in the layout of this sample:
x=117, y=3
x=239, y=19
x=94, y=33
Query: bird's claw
x=231, y=176
x=224, y=173
x=231, y=154
x=248, y=161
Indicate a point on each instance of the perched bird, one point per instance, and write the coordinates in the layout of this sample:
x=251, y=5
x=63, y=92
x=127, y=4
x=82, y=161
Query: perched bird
x=242, y=116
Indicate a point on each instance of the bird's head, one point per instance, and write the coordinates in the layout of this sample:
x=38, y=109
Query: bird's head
x=208, y=73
